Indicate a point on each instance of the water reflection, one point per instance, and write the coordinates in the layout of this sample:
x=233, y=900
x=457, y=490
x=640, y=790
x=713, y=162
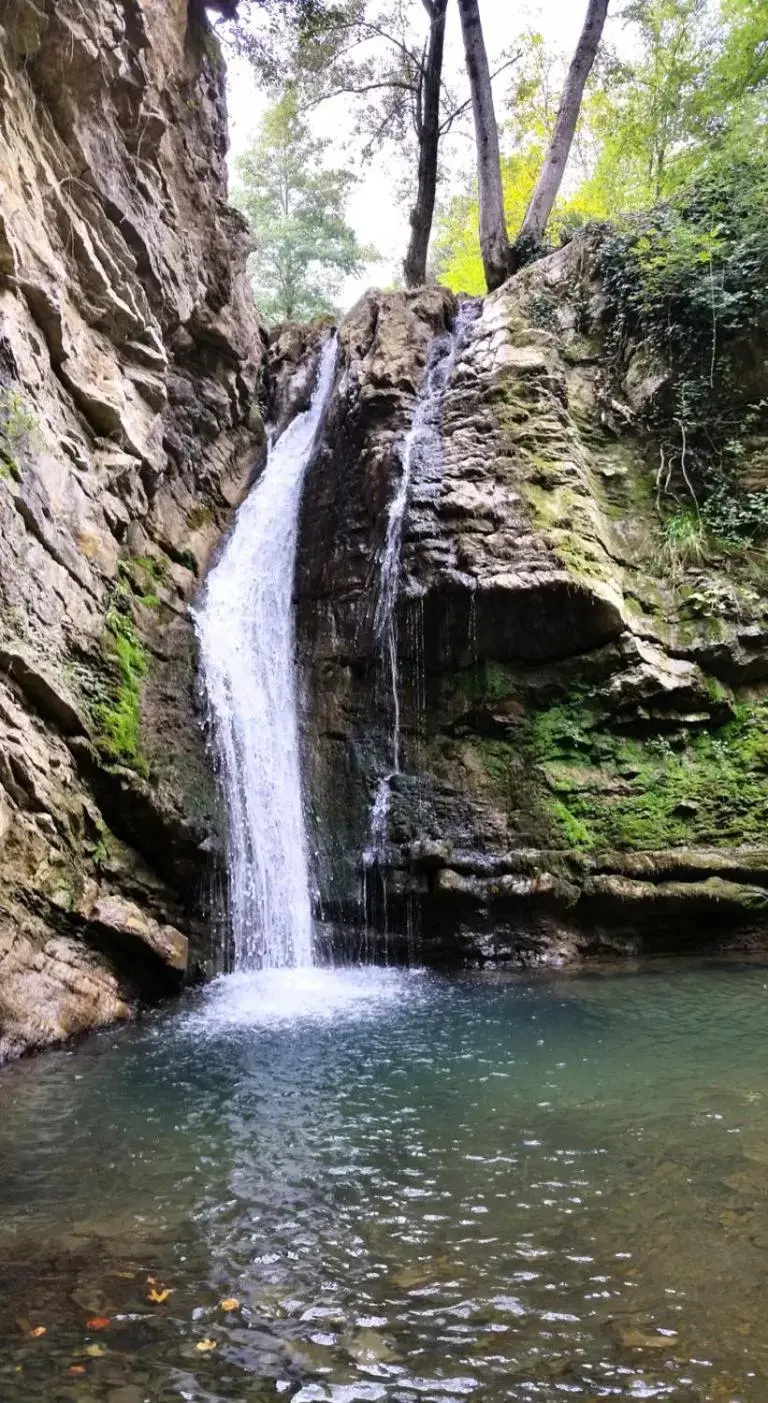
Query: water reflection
x=401, y=1187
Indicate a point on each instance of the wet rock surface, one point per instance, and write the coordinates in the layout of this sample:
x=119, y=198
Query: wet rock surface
x=582, y=720
x=129, y=357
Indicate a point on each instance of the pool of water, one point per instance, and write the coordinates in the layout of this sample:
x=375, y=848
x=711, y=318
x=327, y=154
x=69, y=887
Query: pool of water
x=371, y=1184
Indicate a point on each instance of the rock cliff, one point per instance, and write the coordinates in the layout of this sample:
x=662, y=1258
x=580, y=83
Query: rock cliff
x=129, y=356
x=584, y=716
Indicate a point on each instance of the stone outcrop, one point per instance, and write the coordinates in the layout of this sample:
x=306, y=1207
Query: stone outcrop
x=129, y=358
x=584, y=716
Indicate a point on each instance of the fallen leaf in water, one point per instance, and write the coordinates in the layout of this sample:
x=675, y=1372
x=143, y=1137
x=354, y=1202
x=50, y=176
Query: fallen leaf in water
x=205, y=1346
x=638, y=1339
x=98, y=1322
x=95, y=1351
x=159, y=1296
x=37, y=1332
x=229, y=1303
x=76, y=1369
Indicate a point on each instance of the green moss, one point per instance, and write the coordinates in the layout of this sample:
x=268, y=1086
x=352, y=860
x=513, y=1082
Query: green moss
x=138, y=577
x=708, y=788
x=188, y=560
x=569, y=779
x=118, y=717
x=150, y=565
x=19, y=429
x=199, y=516
x=573, y=832
x=486, y=680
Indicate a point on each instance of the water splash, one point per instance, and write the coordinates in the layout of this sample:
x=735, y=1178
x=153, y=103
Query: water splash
x=274, y=997
x=246, y=629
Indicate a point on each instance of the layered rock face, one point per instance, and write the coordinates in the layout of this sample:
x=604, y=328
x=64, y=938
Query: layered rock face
x=583, y=717
x=129, y=356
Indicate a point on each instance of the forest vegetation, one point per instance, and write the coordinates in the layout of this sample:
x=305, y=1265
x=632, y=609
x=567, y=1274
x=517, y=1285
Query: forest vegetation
x=664, y=146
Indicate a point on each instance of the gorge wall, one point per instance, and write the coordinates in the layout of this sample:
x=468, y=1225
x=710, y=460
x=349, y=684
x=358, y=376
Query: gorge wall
x=584, y=717
x=584, y=748
x=129, y=358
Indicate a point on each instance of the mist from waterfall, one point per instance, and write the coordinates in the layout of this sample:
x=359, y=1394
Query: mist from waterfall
x=246, y=630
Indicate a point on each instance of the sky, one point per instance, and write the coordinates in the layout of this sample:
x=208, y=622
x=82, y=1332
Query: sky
x=374, y=213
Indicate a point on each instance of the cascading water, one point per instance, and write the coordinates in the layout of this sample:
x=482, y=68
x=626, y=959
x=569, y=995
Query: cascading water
x=246, y=629
x=421, y=448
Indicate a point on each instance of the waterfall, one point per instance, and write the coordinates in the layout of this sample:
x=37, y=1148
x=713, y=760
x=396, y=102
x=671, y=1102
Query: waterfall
x=246, y=630
x=421, y=449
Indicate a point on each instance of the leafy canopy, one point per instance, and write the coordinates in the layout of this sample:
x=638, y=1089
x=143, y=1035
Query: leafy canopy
x=295, y=207
x=696, y=92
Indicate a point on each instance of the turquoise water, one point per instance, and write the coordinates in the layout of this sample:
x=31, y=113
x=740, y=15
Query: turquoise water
x=413, y=1188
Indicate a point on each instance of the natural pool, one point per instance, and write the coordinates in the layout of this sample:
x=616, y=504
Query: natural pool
x=404, y=1187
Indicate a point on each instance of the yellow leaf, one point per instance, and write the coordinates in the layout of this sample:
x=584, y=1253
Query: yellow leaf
x=205, y=1346
x=159, y=1296
x=229, y=1304
x=95, y=1351
x=37, y=1332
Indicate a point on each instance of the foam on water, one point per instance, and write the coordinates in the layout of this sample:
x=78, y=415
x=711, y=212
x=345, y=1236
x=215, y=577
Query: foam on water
x=267, y=997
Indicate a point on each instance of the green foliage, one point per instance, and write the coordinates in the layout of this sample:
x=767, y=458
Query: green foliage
x=684, y=539
x=687, y=283
x=531, y=107
x=295, y=207
x=735, y=518
x=693, y=97
x=19, y=431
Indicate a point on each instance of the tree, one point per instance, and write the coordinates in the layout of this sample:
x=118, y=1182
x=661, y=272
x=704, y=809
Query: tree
x=494, y=243
x=378, y=56
x=552, y=171
x=531, y=102
x=428, y=133
x=295, y=208
x=265, y=31
x=645, y=117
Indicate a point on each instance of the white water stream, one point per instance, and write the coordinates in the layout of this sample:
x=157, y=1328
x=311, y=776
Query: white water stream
x=246, y=629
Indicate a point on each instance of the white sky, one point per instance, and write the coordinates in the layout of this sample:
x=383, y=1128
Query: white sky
x=373, y=211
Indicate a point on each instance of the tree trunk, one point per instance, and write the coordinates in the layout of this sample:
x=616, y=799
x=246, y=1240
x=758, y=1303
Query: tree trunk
x=555, y=161
x=422, y=214
x=494, y=244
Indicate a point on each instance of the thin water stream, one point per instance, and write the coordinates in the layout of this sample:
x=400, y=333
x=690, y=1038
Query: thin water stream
x=421, y=451
x=400, y=1187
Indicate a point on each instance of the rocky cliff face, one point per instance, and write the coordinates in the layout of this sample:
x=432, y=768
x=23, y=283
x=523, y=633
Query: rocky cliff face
x=129, y=356
x=584, y=717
